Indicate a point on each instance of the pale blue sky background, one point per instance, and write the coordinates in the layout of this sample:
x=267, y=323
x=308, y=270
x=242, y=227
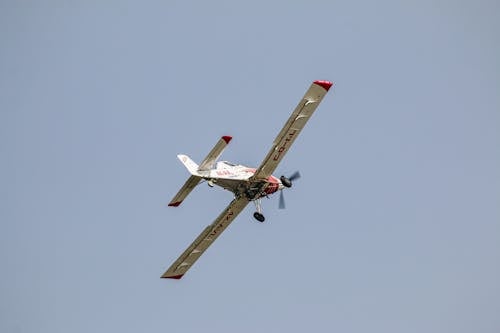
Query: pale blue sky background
x=393, y=227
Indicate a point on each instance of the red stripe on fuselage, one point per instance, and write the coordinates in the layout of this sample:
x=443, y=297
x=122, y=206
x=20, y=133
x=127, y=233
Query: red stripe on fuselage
x=273, y=186
x=273, y=182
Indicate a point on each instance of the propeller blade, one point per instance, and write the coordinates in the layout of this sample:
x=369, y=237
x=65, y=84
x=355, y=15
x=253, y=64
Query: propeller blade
x=295, y=175
x=282, y=200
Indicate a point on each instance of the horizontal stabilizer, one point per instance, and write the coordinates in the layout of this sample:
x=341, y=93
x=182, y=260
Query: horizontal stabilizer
x=188, y=186
x=209, y=161
x=198, y=171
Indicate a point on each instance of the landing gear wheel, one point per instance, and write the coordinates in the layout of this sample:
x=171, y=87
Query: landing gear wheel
x=259, y=217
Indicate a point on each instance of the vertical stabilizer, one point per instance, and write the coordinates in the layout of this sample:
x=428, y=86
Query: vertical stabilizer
x=189, y=164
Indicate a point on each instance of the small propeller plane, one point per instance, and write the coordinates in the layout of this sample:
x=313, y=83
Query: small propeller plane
x=247, y=184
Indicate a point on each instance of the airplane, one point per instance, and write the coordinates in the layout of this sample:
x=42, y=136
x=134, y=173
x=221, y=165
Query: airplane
x=247, y=184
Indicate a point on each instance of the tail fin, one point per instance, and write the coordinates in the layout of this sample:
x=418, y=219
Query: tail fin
x=190, y=184
x=189, y=164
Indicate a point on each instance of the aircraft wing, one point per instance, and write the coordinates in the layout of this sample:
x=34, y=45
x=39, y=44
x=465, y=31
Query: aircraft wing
x=292, y=128
x=205, y=239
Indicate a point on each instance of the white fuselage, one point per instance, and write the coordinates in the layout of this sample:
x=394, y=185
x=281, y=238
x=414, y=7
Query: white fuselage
x=237, y=179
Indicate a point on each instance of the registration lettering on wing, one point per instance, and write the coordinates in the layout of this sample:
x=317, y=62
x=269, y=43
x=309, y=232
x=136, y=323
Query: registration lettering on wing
x=284, y=145
x=220, y=227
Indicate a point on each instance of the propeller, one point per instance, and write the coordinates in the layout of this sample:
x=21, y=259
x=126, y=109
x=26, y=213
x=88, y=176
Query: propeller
x=287, y=182
x=295, y=175
x=282, y=201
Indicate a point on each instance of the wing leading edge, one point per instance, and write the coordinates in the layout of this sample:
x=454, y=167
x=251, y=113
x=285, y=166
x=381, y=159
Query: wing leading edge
x=292, y=128
x=205, y=239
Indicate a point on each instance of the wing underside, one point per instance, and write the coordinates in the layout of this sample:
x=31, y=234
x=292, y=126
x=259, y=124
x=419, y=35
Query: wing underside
x=205, y=239
x=292, y=128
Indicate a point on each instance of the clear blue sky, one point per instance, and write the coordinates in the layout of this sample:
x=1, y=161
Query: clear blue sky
x=393, y=227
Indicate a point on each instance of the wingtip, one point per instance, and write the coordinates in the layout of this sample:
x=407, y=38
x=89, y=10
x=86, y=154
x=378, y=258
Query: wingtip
x=227, y=138
x=325, y=84
x=174, y=204
x=175, y=277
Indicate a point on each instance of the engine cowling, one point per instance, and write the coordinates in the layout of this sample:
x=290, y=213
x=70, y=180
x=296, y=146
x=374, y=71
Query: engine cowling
x=285, y=181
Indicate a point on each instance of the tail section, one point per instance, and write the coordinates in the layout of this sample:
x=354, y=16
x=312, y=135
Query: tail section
x=198, y=171
x=189, y=164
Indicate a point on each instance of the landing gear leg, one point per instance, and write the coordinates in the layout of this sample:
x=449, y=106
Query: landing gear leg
x=258, y=214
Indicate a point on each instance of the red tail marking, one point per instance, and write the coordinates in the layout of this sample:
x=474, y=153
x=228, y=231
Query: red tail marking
x=227, y=138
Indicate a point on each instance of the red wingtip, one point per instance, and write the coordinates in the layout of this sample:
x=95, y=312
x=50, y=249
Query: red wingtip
x=227, y=138
x=325, y=84
x=176, y=277
x=174, y=204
